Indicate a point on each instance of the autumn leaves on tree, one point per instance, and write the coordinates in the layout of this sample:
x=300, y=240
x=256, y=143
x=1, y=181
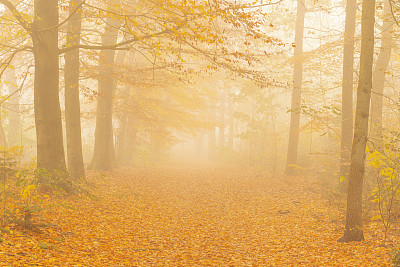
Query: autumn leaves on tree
x=185, y=27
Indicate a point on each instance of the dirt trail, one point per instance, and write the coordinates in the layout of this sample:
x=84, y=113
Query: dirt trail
x=197, y=217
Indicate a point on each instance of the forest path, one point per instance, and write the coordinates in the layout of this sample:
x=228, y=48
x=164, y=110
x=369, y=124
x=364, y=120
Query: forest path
x=200, y=217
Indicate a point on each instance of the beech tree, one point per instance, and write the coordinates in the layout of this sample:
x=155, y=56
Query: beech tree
x=185, y=27
x=3, y=140
x=353, y=230
x=126, y=136
x=14, y=131
x=43, y=32
x=72, y=104
x=212, y=138
x=347, y=88
x=296, y=93
x=188, y=30
x=379, y=75
x=104, y=152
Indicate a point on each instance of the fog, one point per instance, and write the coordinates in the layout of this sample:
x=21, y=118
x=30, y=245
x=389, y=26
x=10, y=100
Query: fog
x=203, y=104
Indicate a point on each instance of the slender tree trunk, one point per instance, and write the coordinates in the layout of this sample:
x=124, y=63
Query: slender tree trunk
x=273, y=117
x=212, y=154
x=378, y=79
x=104, y=154
x=353, y=230
x=14, y=128
x=275, y=144
x=231, y=135
x=296, y=94
x=121, y=135
x=120, y=141
x=252, y=132
x=72, y=104
x=3, y=140
x=221, y=127
x=347, y=88
x=120, y=149
x=50, y=150
x=126, y=139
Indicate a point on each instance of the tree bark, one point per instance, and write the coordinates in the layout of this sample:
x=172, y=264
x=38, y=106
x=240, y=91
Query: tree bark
x=296, y=93
x=231, y=135
x=378, y=79
x=14, y=127
x=353, y=230
x=120, y=149
x=72, y=104
x=126, y=138
x=212, y=144
x=347, y=88
x=50, y=150
x=3, y=140
x=221, y=126
x=104, y=154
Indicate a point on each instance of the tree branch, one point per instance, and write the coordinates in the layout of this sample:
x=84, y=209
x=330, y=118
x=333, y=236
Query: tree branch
x=20, y=87
x=391, y=2
x=117, y=46
x=121, y=15
x=8, y=61
x=17, y=15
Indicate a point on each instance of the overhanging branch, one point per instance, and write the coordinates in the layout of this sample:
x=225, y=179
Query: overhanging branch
x=118, y=46
x=17, y=15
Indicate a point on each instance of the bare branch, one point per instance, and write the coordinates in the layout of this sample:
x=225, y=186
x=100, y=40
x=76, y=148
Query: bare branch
x=8, y=61
x=391, y=2
x=20, y=87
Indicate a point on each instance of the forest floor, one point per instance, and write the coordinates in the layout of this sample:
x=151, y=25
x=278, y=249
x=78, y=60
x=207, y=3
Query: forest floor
x=194, y=217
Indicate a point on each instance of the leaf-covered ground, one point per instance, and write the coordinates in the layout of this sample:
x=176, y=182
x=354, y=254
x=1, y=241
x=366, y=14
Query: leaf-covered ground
x=193, y=217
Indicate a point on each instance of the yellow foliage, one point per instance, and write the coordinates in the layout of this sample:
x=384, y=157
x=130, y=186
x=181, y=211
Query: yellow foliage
x=27, y=192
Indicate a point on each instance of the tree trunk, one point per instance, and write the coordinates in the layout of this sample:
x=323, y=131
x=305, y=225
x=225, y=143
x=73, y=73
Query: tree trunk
x=104, y=154
x=296, y=93
x=231, y=135
x=126, y=137
x=72, y=105
x=50, y=150
x=347, y=88
x=120, y=148
x=378, y=79
x=353, y=230
x=221, y=127
x=212, y=154
x=14, y=128
x=3, y=140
